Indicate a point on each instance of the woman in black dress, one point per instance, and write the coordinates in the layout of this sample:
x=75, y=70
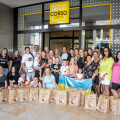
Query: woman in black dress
x=82, y=59
x=15, y=61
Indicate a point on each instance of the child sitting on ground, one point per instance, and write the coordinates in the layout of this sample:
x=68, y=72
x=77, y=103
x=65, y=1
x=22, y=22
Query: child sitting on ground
x=24, y=80
x=80, y=74
x=64, y=67
x=35, y=83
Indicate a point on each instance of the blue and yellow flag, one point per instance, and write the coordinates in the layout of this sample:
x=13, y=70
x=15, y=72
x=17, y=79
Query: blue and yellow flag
x=66, y=82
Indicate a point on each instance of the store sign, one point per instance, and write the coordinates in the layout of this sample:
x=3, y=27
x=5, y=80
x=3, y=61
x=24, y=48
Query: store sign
x=59, y=12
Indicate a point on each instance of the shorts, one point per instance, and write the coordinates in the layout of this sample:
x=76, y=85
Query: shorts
x=96, y=81
x=105, y=81
x=114, y=86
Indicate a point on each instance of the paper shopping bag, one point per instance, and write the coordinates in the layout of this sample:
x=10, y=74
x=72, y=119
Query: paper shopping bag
x=24, y=94
x=61, y=97
x=74, y=98
x=44, y=95
x=14, y=96
x=90, y=101
x=103, y=104
x=53, y=95
x=4, y=95
x=34, y=95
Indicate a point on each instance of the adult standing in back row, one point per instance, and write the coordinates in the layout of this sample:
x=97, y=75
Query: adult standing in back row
x=4, y=60
x=64, y=55
x=36, y=50
x=105, y=71
x=28, y=63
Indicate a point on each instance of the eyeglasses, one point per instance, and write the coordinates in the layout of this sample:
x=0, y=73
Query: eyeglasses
x=105, y=50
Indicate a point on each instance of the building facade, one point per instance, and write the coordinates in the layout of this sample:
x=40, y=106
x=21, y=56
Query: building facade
x=93, y=23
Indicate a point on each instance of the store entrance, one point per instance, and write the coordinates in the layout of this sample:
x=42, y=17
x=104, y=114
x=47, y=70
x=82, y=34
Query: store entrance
x=70, y=39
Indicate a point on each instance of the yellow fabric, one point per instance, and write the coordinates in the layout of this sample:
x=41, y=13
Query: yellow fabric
x=64, y=87
x=107, y=67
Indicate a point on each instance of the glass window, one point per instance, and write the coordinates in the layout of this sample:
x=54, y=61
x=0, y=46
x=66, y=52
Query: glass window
x=96, y=15
x=30, y=39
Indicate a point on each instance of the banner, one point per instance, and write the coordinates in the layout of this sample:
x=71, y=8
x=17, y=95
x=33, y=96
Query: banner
x=66, y=82
x=59, y=12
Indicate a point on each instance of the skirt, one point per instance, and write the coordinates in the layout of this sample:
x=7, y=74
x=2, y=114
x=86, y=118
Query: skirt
x=105, y=81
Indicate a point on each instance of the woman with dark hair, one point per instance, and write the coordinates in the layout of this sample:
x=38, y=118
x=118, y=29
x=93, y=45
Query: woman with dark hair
x=4, y=60
x=90, y=52
x=105, y=71
x=15, y=61
x=89, y=69
x=115, y=80
x=13, y=77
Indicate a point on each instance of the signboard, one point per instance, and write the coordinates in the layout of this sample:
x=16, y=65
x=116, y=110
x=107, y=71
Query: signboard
x=59, y=12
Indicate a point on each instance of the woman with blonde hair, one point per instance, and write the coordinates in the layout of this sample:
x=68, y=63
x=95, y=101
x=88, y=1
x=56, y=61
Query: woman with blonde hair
x=82, y=59
x=72, y=68
x=3, y=78
x=77, y=56
x=48, y=79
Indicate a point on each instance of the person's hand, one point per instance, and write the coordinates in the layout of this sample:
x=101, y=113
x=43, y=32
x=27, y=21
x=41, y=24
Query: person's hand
x=100, y=78
x=40, y=78
x=119, y=82
x=92, y=77
x=103, y=77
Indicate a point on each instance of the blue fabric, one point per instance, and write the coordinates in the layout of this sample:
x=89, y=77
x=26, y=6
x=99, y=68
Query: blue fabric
x=85, y=84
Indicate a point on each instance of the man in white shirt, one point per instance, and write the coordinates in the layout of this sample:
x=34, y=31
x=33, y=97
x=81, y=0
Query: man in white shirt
x=36, y=50
x=27, y=63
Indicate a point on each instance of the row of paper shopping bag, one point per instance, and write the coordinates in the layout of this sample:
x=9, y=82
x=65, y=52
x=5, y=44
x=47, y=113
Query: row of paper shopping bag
x=73, y=97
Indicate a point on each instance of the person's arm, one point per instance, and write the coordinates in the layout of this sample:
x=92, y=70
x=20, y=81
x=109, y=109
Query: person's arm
x=58, y=70
x=42, y=82
x=20, y=66
x=19, y=84
x=30, y=85
x=10, y=65
x=6, y=84
x=54, y=83
x=23, y=66
x=39, y=85
x=96, y=72
x=42, y=66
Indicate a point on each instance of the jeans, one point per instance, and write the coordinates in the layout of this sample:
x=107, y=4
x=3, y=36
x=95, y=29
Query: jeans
x=30, y=74
x=5, y=71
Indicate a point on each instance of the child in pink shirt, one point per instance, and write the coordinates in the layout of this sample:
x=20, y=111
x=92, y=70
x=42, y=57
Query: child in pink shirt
x=72, y=68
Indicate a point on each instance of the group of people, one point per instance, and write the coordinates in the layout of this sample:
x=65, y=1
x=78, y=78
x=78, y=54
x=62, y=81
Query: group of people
x=35, y=69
